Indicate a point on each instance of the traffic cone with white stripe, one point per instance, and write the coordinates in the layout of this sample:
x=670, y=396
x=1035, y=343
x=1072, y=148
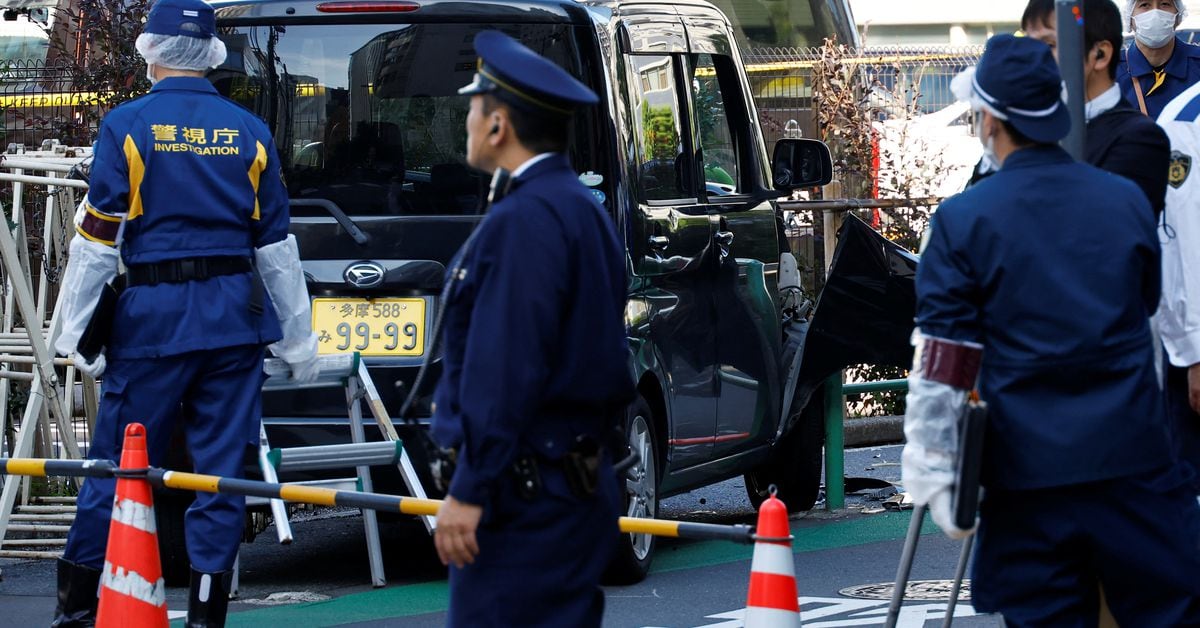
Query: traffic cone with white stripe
x=773, y=601
x=132, y=592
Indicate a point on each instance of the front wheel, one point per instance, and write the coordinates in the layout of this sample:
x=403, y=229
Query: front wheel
x=634, y=553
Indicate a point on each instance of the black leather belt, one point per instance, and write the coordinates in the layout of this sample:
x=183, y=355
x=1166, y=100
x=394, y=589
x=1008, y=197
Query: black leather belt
x=181, y=270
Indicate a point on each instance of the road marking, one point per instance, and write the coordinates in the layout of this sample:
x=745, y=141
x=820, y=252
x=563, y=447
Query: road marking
x=432, y=597
x=841, y=613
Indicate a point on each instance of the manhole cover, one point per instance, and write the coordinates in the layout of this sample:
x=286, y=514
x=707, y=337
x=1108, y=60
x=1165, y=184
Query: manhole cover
x=918, y=590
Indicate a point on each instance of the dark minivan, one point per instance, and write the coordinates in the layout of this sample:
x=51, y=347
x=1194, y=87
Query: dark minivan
x=361, y=98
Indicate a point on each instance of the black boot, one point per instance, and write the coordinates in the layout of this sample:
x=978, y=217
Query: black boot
x=208, y=599
x=77, y=595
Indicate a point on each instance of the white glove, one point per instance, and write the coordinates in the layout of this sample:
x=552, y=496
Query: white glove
x=302, y=359
x=93, y=369
x=90, y=265
x=943, y=515
x=279, y=265
x=927, y=464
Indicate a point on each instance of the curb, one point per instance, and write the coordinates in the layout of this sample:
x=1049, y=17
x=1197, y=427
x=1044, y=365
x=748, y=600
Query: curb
x=875, y=430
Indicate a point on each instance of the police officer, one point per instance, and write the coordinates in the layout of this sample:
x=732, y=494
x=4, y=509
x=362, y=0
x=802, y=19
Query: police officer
x=1038, y=283
x=1179, y=314
x=186, y=190
x=1160, y=66
x=535, y=369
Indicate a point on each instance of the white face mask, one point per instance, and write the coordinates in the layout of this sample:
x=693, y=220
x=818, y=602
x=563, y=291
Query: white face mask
x=150, y=73
x=990, y=163
x=1154, y=29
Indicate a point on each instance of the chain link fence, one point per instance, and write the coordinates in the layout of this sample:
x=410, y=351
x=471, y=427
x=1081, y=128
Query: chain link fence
x=893, y=81
x=39, y=101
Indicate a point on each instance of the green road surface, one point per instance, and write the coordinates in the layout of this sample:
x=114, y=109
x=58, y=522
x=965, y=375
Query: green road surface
x=432, y=597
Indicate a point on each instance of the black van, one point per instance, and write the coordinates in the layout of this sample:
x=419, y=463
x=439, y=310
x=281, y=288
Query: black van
x=361, y=97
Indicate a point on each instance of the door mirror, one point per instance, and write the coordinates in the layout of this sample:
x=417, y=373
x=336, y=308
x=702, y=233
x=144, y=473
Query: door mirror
x=801, y=163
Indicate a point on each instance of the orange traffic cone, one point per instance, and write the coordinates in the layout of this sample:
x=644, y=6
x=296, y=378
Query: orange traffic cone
x=132, y=592
x=772, y=601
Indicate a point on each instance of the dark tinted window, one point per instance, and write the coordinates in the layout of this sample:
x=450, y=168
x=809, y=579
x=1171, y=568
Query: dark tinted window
x=368, y=116
x=717, y=137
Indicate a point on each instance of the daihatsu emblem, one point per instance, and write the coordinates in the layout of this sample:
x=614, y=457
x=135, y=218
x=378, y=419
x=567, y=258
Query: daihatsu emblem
x=364, y=274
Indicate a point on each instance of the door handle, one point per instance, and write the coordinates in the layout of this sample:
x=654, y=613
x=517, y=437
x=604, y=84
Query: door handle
x=658, y=243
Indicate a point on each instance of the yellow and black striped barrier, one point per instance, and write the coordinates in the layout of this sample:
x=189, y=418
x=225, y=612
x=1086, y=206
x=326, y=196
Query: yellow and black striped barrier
x=180, y=480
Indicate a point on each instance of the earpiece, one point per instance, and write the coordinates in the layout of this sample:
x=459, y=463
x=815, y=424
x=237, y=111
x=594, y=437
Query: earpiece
x=495, y=129
x=1099, y=54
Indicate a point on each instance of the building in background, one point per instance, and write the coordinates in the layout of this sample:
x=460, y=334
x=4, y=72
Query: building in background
x=945, y=22
x=789, y=23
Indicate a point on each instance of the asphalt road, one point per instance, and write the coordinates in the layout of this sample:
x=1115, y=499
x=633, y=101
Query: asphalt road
x=322, y=579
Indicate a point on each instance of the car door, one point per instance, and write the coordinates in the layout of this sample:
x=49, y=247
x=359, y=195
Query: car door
x=731, y=164
x=671, y=234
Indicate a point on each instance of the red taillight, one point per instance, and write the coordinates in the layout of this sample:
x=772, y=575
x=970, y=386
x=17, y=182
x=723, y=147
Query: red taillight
x=378, y=6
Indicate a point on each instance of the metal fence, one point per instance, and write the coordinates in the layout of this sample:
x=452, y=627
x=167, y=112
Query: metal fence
x=894, y=81
x=39, y=101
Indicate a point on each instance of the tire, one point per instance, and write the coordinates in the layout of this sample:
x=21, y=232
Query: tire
x=794, y=467
x=635, y=552
x=169, y=510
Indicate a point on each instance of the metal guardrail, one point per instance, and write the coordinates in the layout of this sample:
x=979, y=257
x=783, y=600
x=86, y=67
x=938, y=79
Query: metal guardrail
x=835, y=418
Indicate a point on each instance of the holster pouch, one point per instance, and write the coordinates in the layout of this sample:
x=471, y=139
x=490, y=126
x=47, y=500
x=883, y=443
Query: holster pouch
x=98, y=333
x=581, y=466
x=965, y=498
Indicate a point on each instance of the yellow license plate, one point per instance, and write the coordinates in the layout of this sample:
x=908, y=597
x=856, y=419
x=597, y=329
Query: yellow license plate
x=374, y=327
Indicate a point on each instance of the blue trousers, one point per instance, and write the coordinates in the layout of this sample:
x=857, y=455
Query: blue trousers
x=540, y=560
x=1183, y=422
x=217, y=395
x=1041, y=556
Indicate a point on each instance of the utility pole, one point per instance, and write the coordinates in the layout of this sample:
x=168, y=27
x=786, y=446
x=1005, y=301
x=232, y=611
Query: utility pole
x=1069, y=17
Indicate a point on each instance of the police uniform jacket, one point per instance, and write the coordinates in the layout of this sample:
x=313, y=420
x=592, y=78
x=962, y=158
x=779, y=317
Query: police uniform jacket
x=1181, y=72
x=1179, y=318
x=186, y=165
x=535, y=343
x=1053, y=266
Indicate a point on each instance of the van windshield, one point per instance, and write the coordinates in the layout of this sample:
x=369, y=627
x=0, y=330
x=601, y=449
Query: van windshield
x=368, y=115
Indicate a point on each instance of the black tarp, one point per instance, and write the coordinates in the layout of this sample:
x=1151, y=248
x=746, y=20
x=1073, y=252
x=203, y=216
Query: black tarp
x=865, y=313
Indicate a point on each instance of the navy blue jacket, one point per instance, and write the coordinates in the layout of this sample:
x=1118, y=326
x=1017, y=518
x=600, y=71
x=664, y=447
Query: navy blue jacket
x=1054, y=267
x=1182, y=71
x=535, y=339
x=1125, y=142
x=198, y=176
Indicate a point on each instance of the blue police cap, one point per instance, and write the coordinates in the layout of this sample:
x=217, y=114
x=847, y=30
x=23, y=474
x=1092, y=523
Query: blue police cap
x=1018, y=77
x=523, y=78
x=193, y=18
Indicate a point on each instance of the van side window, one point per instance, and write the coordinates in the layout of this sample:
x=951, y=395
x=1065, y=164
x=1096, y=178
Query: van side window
x=718, y=145
x=659, y=122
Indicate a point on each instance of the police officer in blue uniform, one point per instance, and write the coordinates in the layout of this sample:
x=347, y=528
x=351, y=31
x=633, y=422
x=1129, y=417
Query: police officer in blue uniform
x=535, y=370
x=186, y=190
x=1159, y=65
x=1050, y=268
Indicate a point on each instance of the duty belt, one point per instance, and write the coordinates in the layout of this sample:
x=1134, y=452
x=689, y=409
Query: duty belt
x=197, y=269
x=192, y=269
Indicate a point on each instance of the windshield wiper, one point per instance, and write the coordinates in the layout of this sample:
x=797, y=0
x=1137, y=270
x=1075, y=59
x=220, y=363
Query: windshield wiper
x=340, y=216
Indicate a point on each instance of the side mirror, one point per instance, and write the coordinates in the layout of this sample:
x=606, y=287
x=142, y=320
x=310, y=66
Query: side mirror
x=800, y=163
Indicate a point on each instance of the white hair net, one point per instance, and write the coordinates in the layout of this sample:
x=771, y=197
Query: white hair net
x=1180, y=8
x=181, y=52
x=963, y=88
